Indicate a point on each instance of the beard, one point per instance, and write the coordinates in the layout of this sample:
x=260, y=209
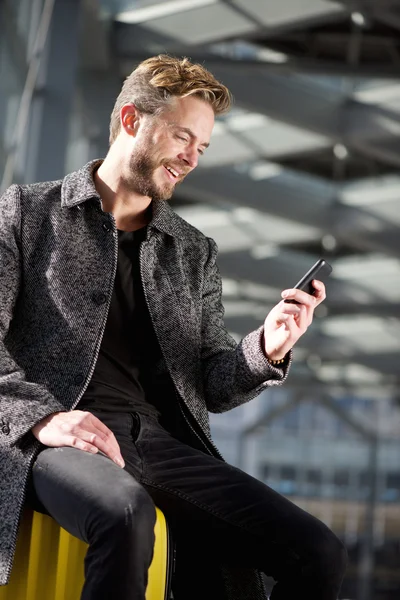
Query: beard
x=141, y=177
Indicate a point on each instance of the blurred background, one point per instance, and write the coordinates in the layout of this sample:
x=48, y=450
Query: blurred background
x=306, y=165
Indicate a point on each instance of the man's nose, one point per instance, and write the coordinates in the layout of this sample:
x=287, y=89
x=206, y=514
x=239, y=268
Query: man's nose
x=190, y=156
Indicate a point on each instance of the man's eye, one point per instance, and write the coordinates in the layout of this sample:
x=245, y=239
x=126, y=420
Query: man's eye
x=200, y=151
x=180, y=137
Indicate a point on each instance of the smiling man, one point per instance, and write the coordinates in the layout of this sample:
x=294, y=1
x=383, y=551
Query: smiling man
x=112, y=352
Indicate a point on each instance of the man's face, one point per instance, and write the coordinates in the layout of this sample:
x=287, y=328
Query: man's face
x=167, y=147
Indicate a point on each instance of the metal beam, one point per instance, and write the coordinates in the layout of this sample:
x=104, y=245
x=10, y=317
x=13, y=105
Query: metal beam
x=270, y=19
x=369, y=6
x=291, y=66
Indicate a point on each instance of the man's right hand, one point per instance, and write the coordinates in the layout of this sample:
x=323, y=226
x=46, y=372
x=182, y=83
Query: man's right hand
x=78, y=429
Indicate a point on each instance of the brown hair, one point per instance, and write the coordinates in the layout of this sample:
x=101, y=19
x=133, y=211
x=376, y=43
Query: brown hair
x=152, y=85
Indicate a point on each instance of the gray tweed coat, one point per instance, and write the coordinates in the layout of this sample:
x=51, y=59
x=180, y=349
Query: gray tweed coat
x=58, y=254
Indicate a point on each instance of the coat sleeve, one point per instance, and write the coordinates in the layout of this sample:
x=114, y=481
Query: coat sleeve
x=233, y=373
x=22, y=403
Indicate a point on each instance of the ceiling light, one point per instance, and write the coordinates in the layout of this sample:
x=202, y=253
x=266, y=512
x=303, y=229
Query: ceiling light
x=162, y=9
x=358, y=19
x=272, y=56
x=340, y=151
x=264, y=251
x=230, y=287
x=246, y=121
x=329, y=242
x=264, y=170
x=383, y=92
x=245, y=215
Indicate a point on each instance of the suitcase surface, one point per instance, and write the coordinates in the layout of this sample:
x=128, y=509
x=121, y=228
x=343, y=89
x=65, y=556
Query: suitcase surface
x=49, y=562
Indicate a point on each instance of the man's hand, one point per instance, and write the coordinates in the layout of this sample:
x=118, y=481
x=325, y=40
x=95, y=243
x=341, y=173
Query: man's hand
x=78, y=429
x=287, y=322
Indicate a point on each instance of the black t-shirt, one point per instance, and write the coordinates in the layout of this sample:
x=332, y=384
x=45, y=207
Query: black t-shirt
x=123, y=377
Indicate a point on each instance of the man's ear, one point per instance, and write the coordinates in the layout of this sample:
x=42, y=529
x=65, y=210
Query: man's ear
x=130, y=118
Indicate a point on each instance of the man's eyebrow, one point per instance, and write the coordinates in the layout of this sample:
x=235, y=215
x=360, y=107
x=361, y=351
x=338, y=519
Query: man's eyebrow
x=190, y=133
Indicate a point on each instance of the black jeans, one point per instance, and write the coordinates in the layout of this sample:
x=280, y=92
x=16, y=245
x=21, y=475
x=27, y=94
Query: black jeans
x=216, y=512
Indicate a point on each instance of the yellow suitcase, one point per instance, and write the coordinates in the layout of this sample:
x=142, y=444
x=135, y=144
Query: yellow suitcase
x=49, y=562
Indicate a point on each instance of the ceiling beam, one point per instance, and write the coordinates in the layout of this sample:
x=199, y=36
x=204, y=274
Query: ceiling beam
x=268, y=20
x=293, y=65
x=269, y=91
x=311, y=107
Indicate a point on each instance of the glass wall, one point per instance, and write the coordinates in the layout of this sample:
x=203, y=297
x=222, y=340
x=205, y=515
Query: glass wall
x=14, y=42
x=28, y=144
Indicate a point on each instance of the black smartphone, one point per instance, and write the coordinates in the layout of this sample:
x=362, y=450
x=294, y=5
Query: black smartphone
x=320, y=271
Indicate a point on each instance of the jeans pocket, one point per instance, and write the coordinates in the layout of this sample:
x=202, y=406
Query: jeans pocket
x=135, y=430
x=138, y=428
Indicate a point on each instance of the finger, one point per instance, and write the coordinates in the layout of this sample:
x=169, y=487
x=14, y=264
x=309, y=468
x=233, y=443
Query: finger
x=304, y=319
x=285, y=319
x=98, y=423
x=107, y=436
x=320, y=291
x=76, y=442
x=296, y=323
x=288, y=332
x=109, y=446
x=301, y=313
x=288, y=308
x=103, y=432
x=90, y=429
x=300, y=297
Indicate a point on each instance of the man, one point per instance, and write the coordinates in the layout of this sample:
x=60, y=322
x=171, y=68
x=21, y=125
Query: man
x=113, y=350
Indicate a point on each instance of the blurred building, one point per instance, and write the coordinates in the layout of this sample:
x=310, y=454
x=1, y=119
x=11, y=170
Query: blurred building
x=337, y=460
x=306, y=164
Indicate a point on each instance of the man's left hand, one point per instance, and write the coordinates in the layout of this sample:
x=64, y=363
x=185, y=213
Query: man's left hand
x=287, y=322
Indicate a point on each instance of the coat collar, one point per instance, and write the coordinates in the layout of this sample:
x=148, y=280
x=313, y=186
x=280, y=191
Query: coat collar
x=77, y=187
